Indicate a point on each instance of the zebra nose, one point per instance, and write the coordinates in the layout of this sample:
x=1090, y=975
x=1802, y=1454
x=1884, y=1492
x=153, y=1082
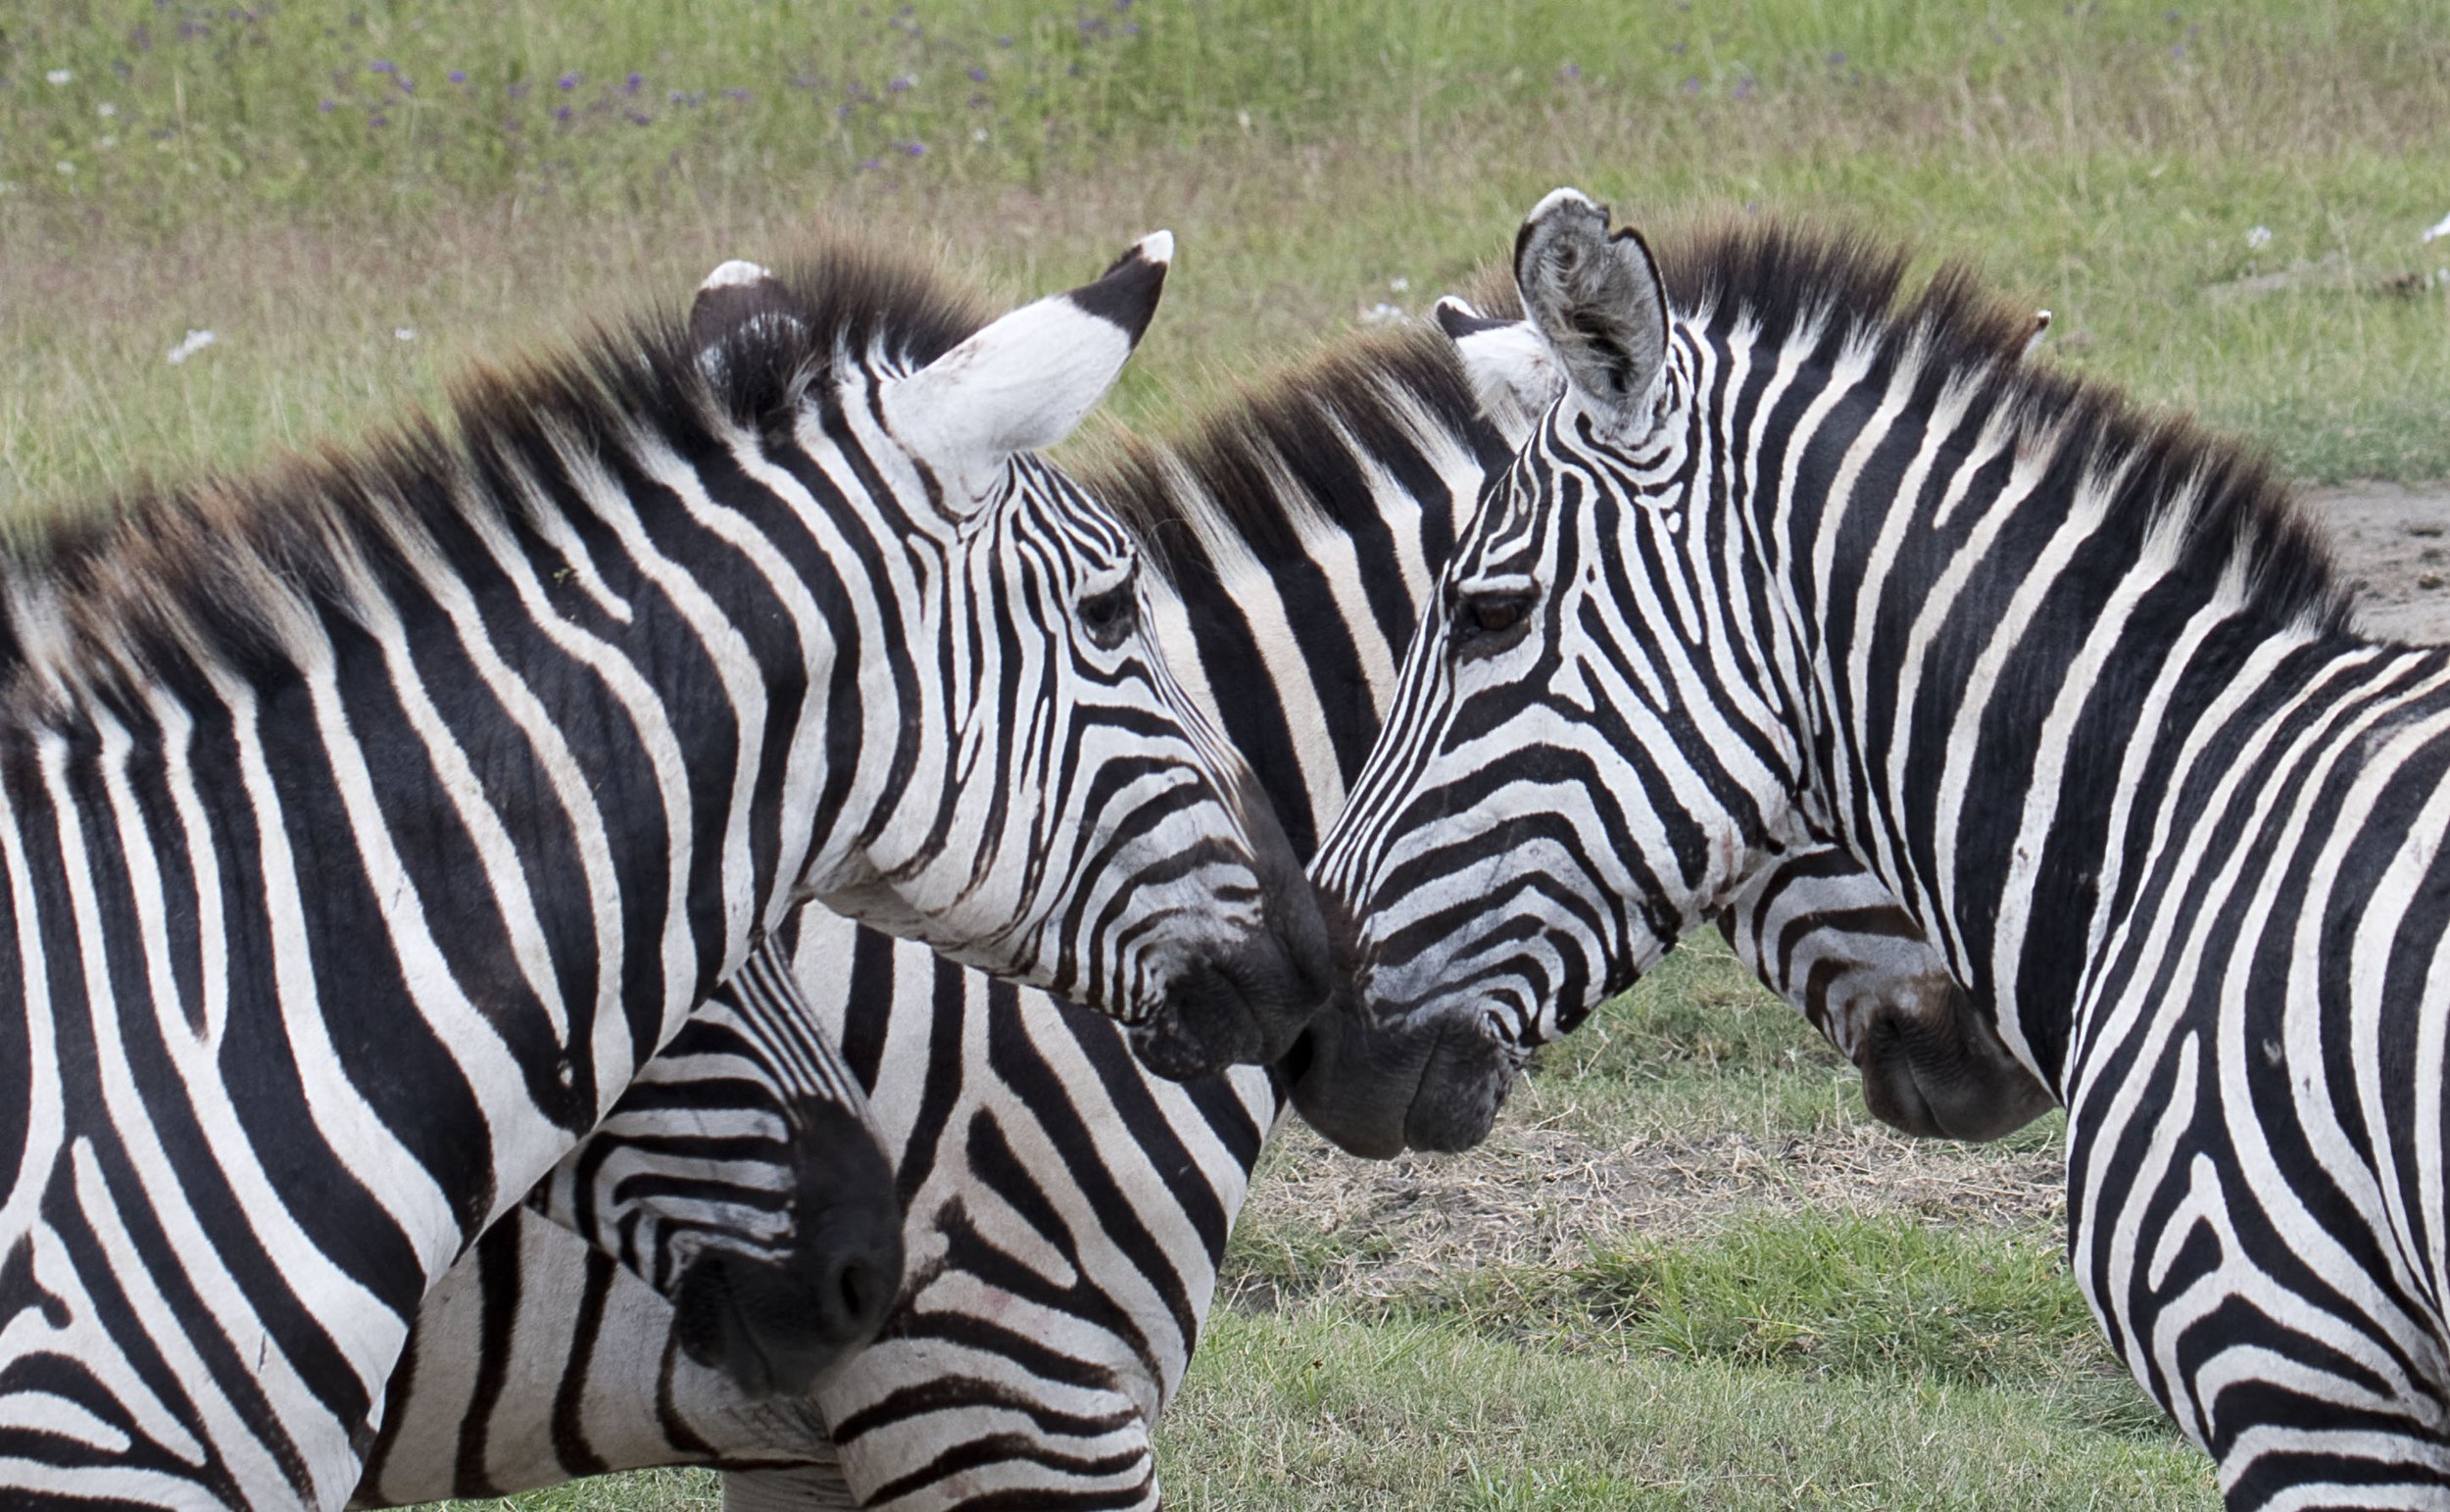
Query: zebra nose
x=775, y=1323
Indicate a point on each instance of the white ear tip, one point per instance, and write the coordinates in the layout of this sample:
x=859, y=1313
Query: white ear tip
x=1456, y=305
x=1156, y=247
x=1561, y=200
x=734, y=273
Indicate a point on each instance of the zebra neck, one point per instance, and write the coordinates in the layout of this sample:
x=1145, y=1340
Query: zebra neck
x=2024, y=750
x=488, y=816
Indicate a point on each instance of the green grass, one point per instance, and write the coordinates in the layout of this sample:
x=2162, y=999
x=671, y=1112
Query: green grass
x=1358, y=1412
x=1689, y=1271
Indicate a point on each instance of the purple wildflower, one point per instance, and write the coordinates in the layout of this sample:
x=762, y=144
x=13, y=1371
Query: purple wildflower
x=633, y=83
x=407, y=85
x=916, y=149
x=379, y=119
x=1570, y=72
x=1004, y=41
x=569, y=81
x=978, y=75
x=324, y=107
x=1743, y=88
x=382, y=65
x=898, y=82
x=457, y=76
x=638, y=118
x=871, y=163
x=519, y=91
x=1692, y=85
x=561, y=112
x=1836, y=59
x=735, y=92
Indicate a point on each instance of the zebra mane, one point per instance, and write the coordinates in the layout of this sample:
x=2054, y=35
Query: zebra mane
x=223, y=575
x=2168, y=479
x=1282, y=459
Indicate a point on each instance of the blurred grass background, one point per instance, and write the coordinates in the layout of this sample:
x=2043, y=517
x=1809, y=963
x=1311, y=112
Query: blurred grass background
x=1688, y=1271
x=2222, y=203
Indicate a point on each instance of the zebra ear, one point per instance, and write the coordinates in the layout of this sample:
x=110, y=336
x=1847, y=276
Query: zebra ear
x=1597, y=300
x=739, y=305
x=1025, y=381
x=1512, y=373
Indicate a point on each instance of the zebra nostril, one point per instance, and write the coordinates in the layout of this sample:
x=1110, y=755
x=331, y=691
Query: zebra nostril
x=863, y=1296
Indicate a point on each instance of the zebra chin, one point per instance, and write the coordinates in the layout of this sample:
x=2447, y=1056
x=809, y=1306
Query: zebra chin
x=1942, y=1072
x=775, y=1325
x=1378, y=1089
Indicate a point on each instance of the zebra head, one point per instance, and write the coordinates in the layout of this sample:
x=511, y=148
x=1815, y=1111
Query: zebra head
x=1584, y=754
x=1058, y=811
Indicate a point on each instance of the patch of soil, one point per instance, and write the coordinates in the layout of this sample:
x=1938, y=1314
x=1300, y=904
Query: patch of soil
x=1544, y=1196
x=2395, y=542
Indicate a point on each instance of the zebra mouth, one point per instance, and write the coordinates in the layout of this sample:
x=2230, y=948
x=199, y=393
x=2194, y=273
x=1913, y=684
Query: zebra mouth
x=1376, y=1090
x=1247, y=1004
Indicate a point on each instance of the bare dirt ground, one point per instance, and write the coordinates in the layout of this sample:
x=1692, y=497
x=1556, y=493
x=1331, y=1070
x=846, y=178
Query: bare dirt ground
x=1542, y=1195
x=2395, y=542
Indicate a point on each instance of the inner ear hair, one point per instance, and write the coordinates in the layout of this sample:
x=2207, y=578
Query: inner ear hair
x=1597, y=298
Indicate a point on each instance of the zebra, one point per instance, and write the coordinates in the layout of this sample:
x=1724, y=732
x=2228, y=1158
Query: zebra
x=1069, y=1211
x=1802, y=552
x=615, y=628
x=740, y=1178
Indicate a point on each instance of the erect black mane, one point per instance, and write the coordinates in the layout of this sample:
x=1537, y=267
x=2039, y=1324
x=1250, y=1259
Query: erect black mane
x=1289, y=446
x=1838, y=288
x=161, y=584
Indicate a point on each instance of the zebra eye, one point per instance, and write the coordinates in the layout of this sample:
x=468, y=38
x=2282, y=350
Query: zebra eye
x=1484, y=620
x=1111, y=615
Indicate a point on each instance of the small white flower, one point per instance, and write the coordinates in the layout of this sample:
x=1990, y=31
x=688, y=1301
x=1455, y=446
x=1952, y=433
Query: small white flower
x=106, y=141
x=1400, y=284
x=403, y=333
x=2440, y=228
x=65, y=166
x=1382, y=313
x=978, y=133
x=60, y=75
x=2259, y=237
x=195, y=342
x=105, y=110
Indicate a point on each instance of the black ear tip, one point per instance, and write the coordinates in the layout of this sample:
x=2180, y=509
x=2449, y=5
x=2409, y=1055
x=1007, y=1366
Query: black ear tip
x=1126, y=294
x=1459, y=319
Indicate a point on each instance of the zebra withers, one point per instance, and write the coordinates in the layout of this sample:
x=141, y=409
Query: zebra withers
x=364, y=826
x=1069, y=1211
x=1799, y=552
